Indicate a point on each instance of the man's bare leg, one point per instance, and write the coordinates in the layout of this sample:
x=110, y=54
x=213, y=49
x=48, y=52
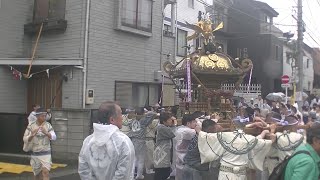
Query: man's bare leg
x=38, y=176
x=45, y=174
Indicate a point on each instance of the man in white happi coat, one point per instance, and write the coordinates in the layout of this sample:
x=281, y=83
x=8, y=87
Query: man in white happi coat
x=285, y=145
x=107, y=153
x=37, y=139
x=184, y=135
x=137, y=134
x=193, y=169
x=237, y=151
x=150, y=142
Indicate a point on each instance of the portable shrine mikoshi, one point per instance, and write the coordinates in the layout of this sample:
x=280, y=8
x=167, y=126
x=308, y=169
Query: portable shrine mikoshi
x=203, y=71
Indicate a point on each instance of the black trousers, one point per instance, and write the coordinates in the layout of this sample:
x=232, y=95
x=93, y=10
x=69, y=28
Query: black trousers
x=161, y=173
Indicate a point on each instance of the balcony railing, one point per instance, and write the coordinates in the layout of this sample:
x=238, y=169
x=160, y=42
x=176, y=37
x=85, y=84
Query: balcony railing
x=243, y=88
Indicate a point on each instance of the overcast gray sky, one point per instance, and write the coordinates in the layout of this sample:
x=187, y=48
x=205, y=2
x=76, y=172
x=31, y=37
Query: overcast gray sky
x=311, y=14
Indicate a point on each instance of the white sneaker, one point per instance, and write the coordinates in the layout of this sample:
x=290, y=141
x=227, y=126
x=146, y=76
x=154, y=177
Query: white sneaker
x=149, y=171
x=139, y=177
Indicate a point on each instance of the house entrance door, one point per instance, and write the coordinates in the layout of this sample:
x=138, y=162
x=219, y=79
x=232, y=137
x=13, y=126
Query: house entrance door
x=45, y=91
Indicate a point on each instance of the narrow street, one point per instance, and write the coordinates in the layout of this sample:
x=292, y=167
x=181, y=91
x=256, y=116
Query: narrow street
x=54, y=176
x=218, y=89
x=10, y=164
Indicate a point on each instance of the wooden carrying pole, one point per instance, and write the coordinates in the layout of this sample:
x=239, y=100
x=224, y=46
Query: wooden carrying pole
x=256, y=131
x=34, y=50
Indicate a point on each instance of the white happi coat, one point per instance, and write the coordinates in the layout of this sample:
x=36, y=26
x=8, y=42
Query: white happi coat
x=183, y=137
x=284, y=146
x=126, y=122
x=211, y=149
x=39, y=146
x=106, y=154
x=150, y=136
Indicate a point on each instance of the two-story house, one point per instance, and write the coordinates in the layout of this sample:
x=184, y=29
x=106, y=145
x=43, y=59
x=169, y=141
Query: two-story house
x=290, y=64
x=316, y=68
x=253, y=35
x=111, y=50
x=308, y=71
x=190, y=11
x=185, y=12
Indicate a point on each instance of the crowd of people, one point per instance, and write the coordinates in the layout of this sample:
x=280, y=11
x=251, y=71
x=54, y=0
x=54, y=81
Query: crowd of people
x=127, y=144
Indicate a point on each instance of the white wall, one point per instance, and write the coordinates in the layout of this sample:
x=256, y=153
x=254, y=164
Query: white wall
x=308, y=73
x=287, y=70
x=190, y=15
x=185, y=14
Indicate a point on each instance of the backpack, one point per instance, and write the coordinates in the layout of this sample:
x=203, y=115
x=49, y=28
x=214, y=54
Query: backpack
x=278, y=172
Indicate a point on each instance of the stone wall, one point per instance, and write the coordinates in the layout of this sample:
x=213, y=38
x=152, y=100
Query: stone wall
x=72, y=126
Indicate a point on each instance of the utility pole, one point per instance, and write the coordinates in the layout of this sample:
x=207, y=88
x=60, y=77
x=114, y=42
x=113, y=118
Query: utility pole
x=300, y=52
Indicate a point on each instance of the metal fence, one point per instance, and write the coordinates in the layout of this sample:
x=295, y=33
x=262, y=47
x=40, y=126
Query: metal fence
x=243, y=88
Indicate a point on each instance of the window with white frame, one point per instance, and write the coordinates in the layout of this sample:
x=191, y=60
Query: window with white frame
x=288, y=57
x=137, y=14
x=167, y=30
x=277, y=53
x=267, y=19
x=133, y=94
x=181, y=42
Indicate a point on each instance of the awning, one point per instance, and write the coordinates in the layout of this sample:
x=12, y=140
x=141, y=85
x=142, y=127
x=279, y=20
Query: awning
x=42, y=61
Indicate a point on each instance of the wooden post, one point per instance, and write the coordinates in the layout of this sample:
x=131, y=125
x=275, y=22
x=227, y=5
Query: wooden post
x=34, y=50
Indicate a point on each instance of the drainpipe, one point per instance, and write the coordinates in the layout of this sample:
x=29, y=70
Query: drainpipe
x=85, y=56
x=173, y=14
x=161, y=42
x=174, y=27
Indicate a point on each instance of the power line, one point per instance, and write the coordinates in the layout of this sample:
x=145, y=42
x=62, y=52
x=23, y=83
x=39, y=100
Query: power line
x=309, y=29
x=311, y=21
x=295, y=2
x=312, y=33
x=318, y=2
x=292, y=25
x=313, y=38
x=285, y=17
x=309, y=10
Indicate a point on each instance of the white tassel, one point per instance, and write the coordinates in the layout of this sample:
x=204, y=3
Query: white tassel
x=47, y=73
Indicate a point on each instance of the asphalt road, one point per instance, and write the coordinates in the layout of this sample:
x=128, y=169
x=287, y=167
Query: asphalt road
x=28, y=176
x=76, y=177
x=67, y=173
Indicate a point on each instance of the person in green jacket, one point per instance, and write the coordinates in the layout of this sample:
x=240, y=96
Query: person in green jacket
x=304, y=166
